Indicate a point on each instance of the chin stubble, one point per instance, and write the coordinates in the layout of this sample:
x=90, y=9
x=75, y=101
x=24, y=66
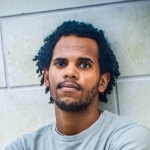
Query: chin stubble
x=78, y=105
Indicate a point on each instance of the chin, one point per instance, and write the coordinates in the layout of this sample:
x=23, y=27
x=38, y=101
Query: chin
x=71, y=105
x=67, y=99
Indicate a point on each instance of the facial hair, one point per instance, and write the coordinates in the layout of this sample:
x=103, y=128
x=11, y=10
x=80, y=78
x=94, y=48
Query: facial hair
x=77, y=105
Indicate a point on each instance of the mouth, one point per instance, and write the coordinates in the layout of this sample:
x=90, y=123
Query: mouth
x=69, y=86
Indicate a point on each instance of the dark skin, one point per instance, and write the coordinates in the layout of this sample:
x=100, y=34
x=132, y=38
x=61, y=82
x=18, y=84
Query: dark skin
x=75, y=60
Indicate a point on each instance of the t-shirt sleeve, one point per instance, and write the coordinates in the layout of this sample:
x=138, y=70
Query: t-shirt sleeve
x=31, y=141
x=23, y=143
x=133, y=139
x=14, y=146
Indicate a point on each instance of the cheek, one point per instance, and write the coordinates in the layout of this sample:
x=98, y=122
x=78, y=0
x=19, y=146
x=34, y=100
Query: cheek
x=52, y=81
x=54, y=78
x=90, y=81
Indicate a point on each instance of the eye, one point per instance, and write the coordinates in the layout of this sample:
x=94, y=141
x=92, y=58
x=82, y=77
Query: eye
x=60, y=64
x=84, y=65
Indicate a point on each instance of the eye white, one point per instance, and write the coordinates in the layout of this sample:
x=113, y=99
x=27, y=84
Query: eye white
x=84, y=65
x=60, y=64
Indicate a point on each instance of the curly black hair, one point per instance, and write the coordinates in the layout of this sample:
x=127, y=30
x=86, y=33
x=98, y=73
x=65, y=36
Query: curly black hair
x=106, y=57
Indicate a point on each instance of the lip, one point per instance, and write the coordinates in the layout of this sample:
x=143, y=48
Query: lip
x=69, y=86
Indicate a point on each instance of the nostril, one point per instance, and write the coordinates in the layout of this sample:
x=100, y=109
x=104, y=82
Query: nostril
x=73, y=77
x=67, y=76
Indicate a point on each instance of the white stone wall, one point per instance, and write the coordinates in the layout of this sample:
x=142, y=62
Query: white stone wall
x=25, y=23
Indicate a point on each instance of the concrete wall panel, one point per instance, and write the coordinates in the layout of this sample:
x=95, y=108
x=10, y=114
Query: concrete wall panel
x=134, y=98
x=29, y=6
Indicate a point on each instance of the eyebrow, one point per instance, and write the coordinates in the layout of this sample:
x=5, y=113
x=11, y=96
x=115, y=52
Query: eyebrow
x=85, y=59
x=60, y=58
x=80, y=58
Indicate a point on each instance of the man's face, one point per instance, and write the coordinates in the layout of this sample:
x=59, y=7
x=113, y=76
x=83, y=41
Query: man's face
x=74, y=74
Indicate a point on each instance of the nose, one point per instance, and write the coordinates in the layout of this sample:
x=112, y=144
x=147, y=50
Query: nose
x=71, y=72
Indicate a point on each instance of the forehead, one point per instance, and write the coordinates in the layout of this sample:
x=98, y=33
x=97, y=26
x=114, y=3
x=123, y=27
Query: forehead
x=73, y=45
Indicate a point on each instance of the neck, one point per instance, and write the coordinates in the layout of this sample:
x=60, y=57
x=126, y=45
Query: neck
x=71, y=123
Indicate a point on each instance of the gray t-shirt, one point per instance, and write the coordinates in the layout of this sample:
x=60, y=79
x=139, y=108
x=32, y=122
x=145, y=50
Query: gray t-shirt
x=109, y=132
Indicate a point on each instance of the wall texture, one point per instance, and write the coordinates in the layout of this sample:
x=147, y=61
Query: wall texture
x=23, y=26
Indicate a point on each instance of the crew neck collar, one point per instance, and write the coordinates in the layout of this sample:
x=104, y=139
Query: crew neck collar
x=93, y=128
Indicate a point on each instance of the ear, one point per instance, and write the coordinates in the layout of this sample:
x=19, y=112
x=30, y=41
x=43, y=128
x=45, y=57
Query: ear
x=104, y=80
x=46, y=77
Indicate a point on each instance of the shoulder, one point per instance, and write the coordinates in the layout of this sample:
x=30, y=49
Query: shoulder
x=127, y=133
x=134, y=137
x=124, y=122
x=27, y=141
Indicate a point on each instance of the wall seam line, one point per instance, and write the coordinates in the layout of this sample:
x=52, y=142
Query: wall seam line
x=134, y=78
x=4, y=57
x=117, y=100
x=71, y=8
x=18, y=88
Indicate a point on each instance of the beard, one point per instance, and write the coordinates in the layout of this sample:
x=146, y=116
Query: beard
x=78, y=105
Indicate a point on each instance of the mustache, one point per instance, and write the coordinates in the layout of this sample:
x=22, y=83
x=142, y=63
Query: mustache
x=76, y=85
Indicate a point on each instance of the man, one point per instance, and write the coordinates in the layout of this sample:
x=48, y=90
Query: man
x=79, y=70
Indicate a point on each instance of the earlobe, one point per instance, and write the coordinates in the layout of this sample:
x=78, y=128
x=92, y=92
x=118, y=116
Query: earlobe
x=46, y=77
x=104, y=80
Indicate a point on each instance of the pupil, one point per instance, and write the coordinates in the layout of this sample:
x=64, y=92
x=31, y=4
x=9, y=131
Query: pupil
x=84, y=65
x=60, y=63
